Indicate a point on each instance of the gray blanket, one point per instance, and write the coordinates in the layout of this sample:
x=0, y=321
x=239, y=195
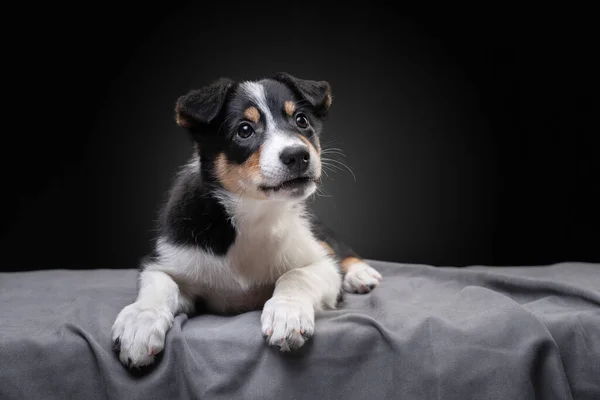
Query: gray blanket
x=425, y=333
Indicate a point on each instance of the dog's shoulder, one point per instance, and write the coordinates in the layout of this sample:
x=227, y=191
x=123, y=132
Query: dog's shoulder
x=192, y=216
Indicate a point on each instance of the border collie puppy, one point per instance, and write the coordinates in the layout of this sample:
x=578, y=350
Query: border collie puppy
x=235, y=232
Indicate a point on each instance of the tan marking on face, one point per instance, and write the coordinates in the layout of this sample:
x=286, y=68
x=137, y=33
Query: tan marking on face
x=240, y=179
x=252, y=114
x=226, y=174
x=309, y=143
x=327, y=247
x=315, y=153
x=182, y=121
x=328, y=101
x=348, y=262
x=290, y=108
x=251, y=167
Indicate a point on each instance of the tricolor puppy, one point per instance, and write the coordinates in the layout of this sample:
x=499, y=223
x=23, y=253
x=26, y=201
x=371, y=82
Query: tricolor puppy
x=235, y=232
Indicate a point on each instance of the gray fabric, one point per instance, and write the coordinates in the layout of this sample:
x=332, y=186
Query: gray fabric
x=425, y=333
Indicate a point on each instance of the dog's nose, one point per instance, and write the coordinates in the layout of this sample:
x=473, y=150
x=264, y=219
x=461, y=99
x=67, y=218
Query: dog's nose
x=296, y=158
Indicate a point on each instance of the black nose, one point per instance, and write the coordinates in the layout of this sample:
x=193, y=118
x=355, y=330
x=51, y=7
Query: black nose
x=296, y=158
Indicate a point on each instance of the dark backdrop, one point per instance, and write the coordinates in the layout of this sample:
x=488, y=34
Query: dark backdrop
x=470, y=135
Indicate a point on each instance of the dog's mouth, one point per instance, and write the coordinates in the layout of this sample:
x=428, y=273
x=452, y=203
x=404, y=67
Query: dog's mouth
x=291, y=184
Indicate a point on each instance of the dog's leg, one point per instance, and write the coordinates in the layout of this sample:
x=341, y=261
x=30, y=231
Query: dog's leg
x=139, y=331
x=288, y=318
x=359, y=277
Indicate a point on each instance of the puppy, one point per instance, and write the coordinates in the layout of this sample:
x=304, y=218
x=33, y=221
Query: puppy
x=235, y=232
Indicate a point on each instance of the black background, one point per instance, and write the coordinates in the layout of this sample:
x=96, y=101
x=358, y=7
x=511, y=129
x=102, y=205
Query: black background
x=471, y=133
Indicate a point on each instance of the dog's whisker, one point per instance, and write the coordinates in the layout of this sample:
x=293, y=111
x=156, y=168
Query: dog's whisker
x=322, y=195
x=329, y=161
x=330, y=142
x=332, y=167
x=321, y=192
x=343, y=165
x=327, y=148
x=333, y=153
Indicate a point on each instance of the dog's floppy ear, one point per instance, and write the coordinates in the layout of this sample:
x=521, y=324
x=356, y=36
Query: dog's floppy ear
x=317, y=93
x=201, y=106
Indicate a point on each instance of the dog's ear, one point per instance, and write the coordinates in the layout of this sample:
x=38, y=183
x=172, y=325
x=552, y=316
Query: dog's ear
x=317, y=93
x=202, y=106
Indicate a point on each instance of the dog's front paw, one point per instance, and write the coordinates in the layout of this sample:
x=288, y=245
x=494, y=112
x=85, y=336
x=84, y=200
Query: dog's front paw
x=361, y=278
x=287, y=322
x=139, y=333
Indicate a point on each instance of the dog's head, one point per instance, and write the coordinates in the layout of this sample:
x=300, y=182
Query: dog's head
x=259, y=139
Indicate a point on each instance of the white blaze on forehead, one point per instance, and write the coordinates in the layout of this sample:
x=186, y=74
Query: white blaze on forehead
x=256, y=92
x=275, y=139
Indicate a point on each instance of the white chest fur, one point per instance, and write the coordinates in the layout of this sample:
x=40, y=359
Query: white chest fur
x=272, y=238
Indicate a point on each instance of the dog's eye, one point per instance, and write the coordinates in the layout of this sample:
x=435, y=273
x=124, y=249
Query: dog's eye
x=301, y=121
x=245, y=130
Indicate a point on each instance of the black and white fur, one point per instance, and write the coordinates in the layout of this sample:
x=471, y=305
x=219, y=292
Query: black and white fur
x=235, y=232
